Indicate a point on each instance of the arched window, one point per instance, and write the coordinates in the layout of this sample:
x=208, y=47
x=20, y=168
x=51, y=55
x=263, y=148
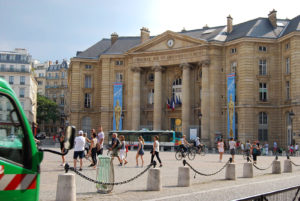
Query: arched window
x=86, y=124
x=263, y=126
x=176, y=90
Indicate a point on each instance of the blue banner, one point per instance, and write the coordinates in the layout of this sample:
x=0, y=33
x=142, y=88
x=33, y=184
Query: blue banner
x=231, y=105
x=117, y=108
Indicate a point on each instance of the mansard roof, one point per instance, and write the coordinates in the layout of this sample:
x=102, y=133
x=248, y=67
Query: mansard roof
x=256, y=28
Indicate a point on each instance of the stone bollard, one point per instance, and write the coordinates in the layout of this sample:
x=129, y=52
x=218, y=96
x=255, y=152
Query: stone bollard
x=66, y=188
x=184, y=177
x=276, y=167
x=154, y=180
x=248, y=170
x=230, y=172
x=287, y=166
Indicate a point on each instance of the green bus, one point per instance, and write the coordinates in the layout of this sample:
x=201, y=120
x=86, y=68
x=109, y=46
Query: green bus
x=167, y=138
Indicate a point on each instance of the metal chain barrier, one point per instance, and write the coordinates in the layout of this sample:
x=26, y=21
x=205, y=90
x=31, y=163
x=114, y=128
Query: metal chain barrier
x=67, y=167
x=254, y=165
x=205, y=174
x=295, y=164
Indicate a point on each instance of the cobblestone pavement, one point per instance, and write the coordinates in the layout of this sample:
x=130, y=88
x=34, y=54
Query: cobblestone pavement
x=202, y=188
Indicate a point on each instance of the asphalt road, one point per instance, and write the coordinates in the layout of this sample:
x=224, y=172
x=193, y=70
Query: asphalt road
x=203, y=187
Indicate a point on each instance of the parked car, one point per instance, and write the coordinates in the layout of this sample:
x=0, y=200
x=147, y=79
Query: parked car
x=41, y=136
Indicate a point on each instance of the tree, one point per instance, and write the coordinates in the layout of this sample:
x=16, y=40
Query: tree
x=46, y=109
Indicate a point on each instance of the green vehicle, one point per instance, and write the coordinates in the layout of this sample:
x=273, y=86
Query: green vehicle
x=20, y=157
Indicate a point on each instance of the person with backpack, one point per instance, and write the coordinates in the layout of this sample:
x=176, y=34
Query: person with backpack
x=255, y=151
x=116, y=146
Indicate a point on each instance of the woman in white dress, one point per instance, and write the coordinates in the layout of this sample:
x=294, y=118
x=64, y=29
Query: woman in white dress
x=221, y=149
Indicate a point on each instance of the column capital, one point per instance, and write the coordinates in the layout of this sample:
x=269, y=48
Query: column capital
x=185, y=66
x=157, y=68
x=204, y=63
x=136, y=69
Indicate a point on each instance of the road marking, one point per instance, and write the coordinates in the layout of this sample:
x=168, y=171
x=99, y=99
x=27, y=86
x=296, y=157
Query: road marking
x=217, y=189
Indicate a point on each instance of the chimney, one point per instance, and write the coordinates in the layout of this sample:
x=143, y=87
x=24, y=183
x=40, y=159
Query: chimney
x=56, y=62
x=273, y=18
x=145, y=34
x=229, y=24
x=113, y=37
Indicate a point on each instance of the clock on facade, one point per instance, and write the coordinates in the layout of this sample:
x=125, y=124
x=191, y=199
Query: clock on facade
x=170, y=43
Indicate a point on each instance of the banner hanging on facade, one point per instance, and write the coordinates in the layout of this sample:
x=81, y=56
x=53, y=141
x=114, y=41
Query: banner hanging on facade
x=117, y=108
x=231, y=105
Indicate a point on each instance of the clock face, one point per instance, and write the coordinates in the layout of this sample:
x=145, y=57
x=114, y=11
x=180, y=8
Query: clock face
x=170, y=42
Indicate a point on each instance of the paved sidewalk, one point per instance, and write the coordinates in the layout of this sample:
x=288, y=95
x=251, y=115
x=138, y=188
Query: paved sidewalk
x=202, y=188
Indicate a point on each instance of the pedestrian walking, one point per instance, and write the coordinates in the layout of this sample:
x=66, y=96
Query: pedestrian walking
x=87, y=145
x=123, y=150
x=275, y=147
x=140, y=152
x=79, y=149
x=116, y=146
x=62, y=146
x=255, y=151
x=155, y=150
x=221, y=149
x=93, y=150
x=232, y=148
x=100, y=140
x=248, y=148
x=266, y=147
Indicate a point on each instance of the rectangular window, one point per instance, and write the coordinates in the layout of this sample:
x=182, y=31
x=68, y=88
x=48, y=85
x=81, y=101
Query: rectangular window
x=151, y=97
x=3, y=67
x=119, y=63
x=233, y=50
x=263, y=134
x=262, y=48
x=11, y=68
x=88, y=81
x=22, y=92
x=22, y=68
x=287, y=66
x=40, y=82
x=287, y=46
x=22, y=104
x=233, y=67
x=11, y=80
x=62, y=74
x=119, y=77
x=22, y=80
x=88, y=66
x=3, y=57
x=263, y=92
x=262, y=67
x=288, y=90
x=56, y=75
x=87, y=100
x=62, y=101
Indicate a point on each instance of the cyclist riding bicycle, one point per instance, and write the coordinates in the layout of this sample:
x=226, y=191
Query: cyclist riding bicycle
x=198, y=144
x=184, y=144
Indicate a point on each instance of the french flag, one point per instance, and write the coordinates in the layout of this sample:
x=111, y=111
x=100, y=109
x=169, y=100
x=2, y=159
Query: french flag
x=168, y=103
x=173, y=104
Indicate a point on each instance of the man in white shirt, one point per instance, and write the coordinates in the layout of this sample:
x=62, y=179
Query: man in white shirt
x=100, y=139
x=79, y=149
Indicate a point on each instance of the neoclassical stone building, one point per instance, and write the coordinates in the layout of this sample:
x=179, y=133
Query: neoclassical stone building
x=179, y=81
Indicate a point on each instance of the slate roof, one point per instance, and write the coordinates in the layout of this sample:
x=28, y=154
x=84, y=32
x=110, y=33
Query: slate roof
x=256, y=28
x=57, y=67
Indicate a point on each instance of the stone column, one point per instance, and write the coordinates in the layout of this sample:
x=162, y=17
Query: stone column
x=157, y=112
x=205, y=127
x=186, y=106
x=136, y=98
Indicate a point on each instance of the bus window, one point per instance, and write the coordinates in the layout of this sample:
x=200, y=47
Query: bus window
x=148, y=137
x=178, y=135
x=166, y=137
x=11, y=133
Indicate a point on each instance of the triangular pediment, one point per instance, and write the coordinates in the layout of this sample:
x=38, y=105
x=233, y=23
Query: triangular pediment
x=167, y=41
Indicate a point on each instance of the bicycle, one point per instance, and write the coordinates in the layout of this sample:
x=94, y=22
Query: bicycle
x=199, y=150
x=181, y=153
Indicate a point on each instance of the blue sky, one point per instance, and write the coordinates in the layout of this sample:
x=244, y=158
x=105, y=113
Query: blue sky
x=56, y=29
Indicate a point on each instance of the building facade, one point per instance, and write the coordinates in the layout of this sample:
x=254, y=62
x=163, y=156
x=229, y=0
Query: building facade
x=56, y=89
x=40, y=76
x=180, y=81
x=16, y=68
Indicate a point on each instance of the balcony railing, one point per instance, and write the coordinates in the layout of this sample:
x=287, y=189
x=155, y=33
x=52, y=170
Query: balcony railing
x=14, y=70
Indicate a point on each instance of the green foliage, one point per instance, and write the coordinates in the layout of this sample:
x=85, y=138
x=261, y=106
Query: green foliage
x=46, y=109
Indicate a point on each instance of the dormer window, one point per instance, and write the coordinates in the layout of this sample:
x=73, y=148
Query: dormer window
x=88, y=66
